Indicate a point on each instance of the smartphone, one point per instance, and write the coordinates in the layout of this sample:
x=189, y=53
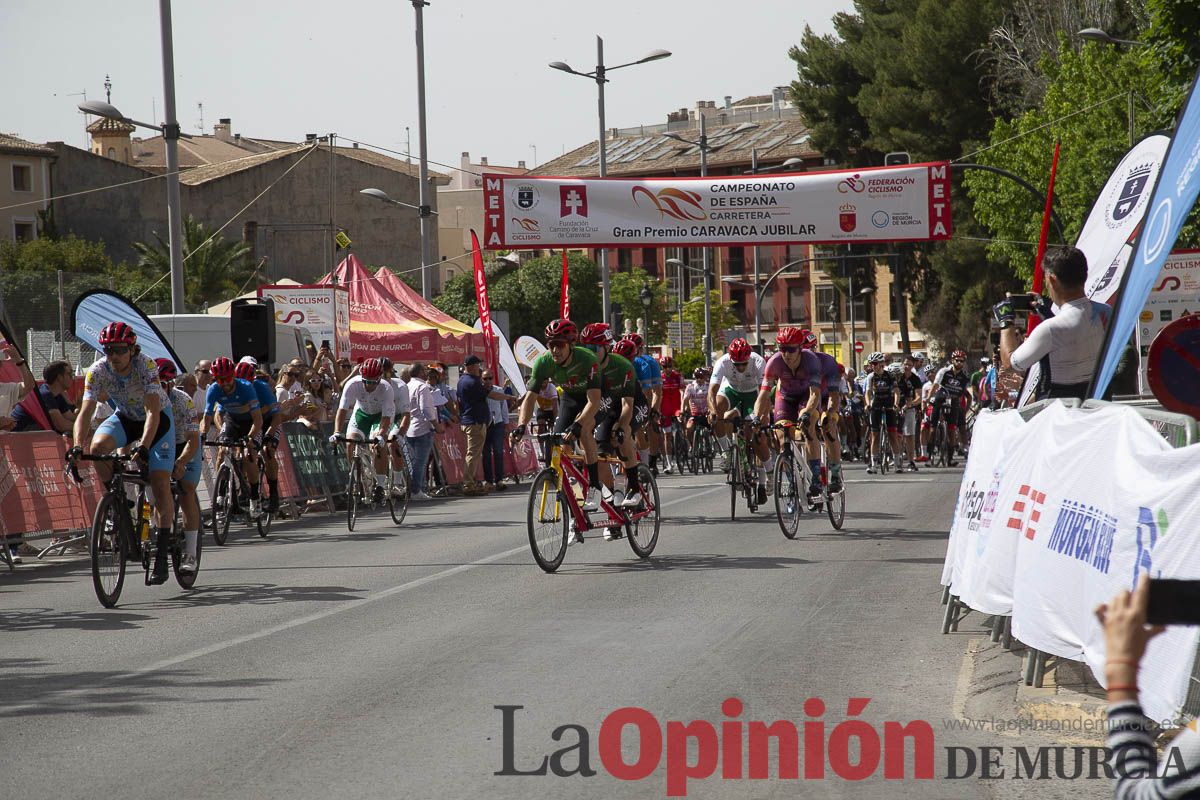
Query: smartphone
x=1173, y=602
x=1021, y=302
x=324, y=344
x=994, y=338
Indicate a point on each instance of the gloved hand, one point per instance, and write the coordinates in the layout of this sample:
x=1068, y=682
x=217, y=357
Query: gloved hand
x=333, y=437
x=517, y=433
x=1004, y=313
x=1042, y=306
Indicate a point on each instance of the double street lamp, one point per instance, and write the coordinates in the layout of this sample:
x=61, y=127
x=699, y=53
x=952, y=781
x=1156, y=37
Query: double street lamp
x=599, y=75
x=704, y=146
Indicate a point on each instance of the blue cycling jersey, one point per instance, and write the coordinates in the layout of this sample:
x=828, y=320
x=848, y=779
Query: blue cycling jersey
x=649, y=374
x=267, y=401
x=240, y=404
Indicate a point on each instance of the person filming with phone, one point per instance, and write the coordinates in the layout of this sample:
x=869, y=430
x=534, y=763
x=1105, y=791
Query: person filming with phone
x=1068, y=340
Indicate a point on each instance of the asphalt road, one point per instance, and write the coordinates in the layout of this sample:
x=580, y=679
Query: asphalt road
x=321, y=663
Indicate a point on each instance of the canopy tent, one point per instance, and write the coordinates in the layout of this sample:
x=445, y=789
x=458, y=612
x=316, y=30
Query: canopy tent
x=383, y=325
x=445, y=323
x=222, y=309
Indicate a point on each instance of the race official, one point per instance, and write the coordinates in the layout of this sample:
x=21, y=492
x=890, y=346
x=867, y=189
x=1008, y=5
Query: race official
x=1066, y=343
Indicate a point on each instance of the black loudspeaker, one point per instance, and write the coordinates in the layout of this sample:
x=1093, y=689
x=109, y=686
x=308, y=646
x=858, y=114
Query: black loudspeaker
x=252, y=329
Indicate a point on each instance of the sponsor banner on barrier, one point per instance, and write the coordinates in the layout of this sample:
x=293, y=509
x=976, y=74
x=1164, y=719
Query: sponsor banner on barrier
x=883, y=204
x=1084, y=502
x=322, y=310
x=1176, y=295
x=34, y=494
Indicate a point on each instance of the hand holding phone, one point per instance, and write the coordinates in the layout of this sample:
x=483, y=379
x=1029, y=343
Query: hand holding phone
x=1173, y=602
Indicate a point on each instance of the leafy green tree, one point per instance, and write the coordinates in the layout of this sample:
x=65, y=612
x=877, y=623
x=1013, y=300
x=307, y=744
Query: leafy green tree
x=626, y=289
x=70, y=254
x=723, y=316
x=215, y=268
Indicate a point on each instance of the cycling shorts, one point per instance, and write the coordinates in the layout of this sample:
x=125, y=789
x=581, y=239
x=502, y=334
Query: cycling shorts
x=883, y=416
x=910, y=422
x=955, y=418
x=233, y=429
x=123, y=430
x=698, y=421
x=742, y=401
x=607, y=423
x=569, y=407
x=363, y=426
x=191, y=473
x=788, y=406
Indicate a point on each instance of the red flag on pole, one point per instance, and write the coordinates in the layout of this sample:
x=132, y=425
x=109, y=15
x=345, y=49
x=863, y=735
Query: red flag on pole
x=485, y=311
x=564, y=305
x=1041, y=250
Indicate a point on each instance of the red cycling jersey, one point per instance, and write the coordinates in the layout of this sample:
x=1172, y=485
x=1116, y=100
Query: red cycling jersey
x=672, y=393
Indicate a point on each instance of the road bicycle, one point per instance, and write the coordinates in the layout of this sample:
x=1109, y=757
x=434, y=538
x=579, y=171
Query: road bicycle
x=360, y=485
x=743, y=475
x=700, y=455
x=679, y=446
x=121, y=529
x=793, y=476
x=940, y=451
x=556, y=499
x=231, y=491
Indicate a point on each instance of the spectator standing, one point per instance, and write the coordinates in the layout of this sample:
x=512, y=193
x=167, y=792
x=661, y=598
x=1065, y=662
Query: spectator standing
x=493, y=446
x=53, y=394
x=474, y=419
x=423, y=422
x=203, y=373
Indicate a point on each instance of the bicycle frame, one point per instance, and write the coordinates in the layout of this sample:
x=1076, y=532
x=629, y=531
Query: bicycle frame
x=565, y=466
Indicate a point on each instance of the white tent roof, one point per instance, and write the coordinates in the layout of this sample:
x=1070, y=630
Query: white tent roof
x=222, y=309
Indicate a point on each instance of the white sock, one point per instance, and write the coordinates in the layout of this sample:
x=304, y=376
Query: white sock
x=189, y=542
x=723, y=442
x=381, y=480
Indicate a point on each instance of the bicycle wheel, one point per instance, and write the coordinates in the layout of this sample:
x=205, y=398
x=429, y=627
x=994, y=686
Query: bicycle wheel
x=107, y=547
x=788, y=492
x=263, y=523
x=885, y=452
x=353, y=490
x=398, y=493
x=186, y=580
x=547, y=520
x=222, y=504
x=642, y=532
x=735, y=475
x=835, y=507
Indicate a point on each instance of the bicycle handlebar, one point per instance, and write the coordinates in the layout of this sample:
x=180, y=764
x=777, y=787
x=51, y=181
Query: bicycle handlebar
x=373, y=440
x=74, y=455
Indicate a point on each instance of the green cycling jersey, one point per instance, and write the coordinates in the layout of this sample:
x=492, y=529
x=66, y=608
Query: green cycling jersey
x=574, y=378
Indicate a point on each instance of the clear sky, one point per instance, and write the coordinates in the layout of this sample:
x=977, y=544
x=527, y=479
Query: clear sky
x=284, y=69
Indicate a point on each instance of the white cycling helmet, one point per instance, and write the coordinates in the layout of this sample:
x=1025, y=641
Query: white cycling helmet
x=895, y=368
x=876, y=358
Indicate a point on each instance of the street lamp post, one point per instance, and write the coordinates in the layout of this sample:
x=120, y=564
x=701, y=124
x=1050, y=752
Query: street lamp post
x=423, y=169
x=1099, y=35
x=647, y=298
x=703, y=145
x=599, y=75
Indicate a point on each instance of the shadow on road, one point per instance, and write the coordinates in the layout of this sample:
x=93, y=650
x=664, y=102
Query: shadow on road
x=250, y=594
x=30, y=689
x=17, y=620
x=683, y=562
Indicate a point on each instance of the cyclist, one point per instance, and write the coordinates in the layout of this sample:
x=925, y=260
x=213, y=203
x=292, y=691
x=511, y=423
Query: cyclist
x=127, y=381
x=372, y=400
x=573, y=369
x=623, y=408
x=832, y=380
x=188, y=459
x=910, y=401
x=881, y=402
x=649, y=375
x=795, y=375
x=247, y=370
x=241, y=417
x=856, y=416
x=672, y=397
x=400, y=417
x=696, y=395
x=949, y=387
x=733, y=387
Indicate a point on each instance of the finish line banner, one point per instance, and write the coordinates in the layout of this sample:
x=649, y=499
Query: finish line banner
x=886, y=204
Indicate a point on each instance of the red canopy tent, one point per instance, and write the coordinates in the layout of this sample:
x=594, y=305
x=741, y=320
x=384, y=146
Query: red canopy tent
x=385, y=324
x=460, y=331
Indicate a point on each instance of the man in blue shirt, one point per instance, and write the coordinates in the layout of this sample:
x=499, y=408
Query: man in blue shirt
x=241, y=417
x=649, y=375
x=53, y=394
x=474, y=418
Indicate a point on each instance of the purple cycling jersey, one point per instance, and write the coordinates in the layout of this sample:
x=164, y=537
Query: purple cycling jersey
x=793, y=383
x=831, y=373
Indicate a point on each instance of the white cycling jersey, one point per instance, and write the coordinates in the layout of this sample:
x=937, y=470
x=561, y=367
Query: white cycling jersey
x=184, y=411
x=747, y=380
x=126, y=394
x=380, y=402
x=401, y=398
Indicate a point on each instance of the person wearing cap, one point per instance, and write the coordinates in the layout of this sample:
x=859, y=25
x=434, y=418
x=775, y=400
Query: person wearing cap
x=474, y=419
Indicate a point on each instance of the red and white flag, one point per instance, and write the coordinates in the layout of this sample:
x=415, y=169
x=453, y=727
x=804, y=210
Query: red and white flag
x=564, y=304
x=485, y=312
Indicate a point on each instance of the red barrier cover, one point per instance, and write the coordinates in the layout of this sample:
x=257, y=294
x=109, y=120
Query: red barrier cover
x=34, y=495
x=287, y=474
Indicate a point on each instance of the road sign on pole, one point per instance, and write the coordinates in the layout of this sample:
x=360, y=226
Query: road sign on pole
x=858, y=347
x=688, y=336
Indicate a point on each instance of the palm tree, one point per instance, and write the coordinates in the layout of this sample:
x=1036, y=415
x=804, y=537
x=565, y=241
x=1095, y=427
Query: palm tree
x=213, y=268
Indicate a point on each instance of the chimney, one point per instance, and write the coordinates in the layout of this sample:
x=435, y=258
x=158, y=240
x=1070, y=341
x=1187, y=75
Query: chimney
x=354, y=145
x=237, y=138
x=483, y=161
x=309, y=138
x=728, y=102
x=222, y=130
x=705, y=108
x=521, y=164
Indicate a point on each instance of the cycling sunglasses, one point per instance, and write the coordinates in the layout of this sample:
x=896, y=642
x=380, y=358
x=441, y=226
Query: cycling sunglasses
x=555, y=344
x=369, y=382
x=790, y=349
x=116, y=349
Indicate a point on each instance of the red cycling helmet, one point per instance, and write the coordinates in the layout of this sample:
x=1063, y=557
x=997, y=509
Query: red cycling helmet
x=637, y=340
x=222, y=369
x=118, y=333
x=808, y=339
x=166, y=369
x=562, y=330
x=785, y=336
x=371, y=369
x=739, y=350
x=244, y=371
x=958, y=354
x=597, y=333
x=626, y=348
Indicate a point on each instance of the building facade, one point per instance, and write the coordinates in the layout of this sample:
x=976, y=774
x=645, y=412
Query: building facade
x=460, y=204
x=24, y=187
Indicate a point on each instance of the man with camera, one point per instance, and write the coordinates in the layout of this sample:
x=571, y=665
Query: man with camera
x=1068, y=341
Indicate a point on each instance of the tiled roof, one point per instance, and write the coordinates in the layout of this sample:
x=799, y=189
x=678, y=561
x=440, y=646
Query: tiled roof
x=775, y=140
x=754, y=100
x=381, y=160
x=106, y=125
x=14, y=146
x=195, y=152
x=210, y=172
